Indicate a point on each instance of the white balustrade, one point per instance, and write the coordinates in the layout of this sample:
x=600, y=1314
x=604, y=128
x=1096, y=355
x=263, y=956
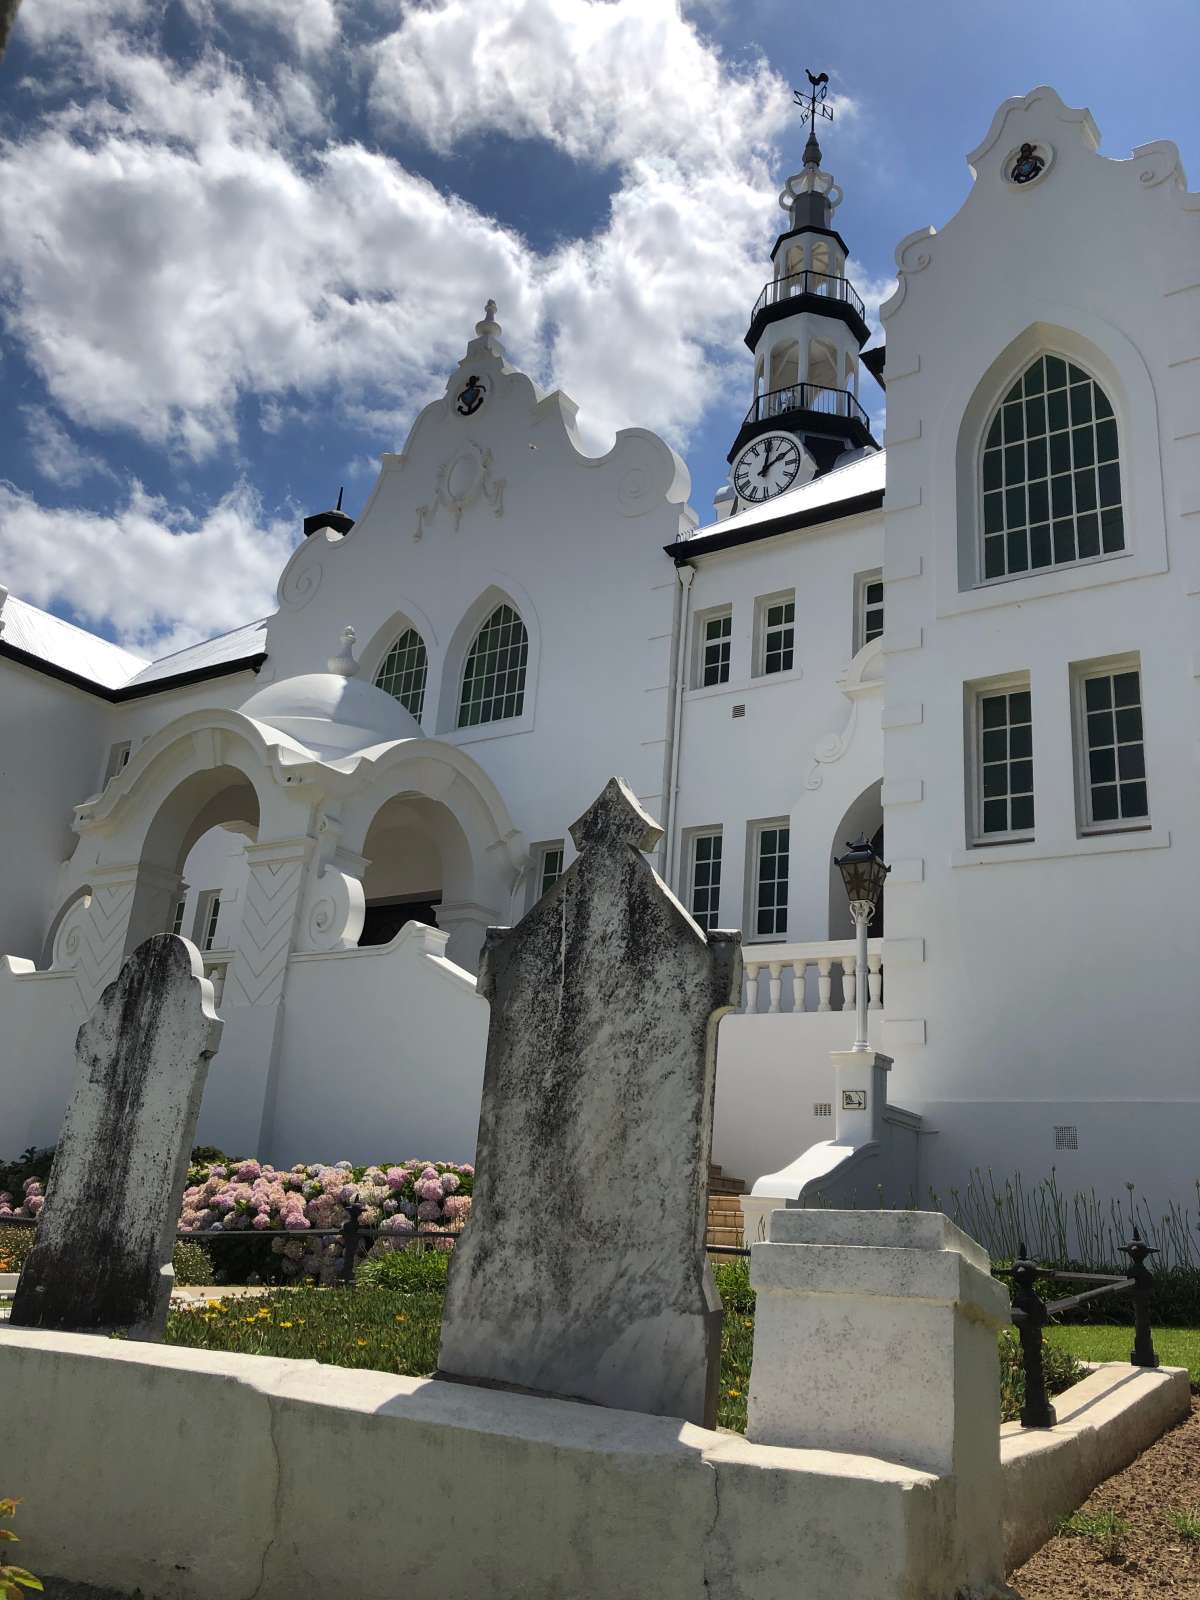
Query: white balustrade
x=786, y=968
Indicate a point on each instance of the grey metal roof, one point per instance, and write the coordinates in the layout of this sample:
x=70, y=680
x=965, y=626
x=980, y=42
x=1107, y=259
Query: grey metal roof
x=248, y=640
x=49, y=638
x=865, y=476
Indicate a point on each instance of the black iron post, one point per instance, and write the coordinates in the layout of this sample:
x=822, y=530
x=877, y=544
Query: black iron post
x=1030, y=1316
x=349, y=1232
x=1143, y=1352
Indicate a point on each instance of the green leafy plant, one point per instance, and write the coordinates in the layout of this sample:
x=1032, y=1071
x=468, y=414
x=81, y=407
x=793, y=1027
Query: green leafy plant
x=15, y=1244
x=192, y=1263
x=13, y=1579
x=1061, y=1368
x=1186, y=1524
x=1105, y=1527
x=410, y=1271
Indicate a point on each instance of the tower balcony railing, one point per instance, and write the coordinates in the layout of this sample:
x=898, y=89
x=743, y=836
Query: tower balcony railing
x=808, y=282
x=806, y=397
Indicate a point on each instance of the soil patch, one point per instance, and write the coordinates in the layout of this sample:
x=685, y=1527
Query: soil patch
x=1151, y=1558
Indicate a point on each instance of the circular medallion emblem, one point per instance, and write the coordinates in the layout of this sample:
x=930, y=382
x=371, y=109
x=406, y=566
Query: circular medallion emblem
x=470, y=398
x=1028, y=165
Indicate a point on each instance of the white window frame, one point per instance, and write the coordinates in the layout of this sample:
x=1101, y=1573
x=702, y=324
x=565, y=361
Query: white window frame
x=693, y=838
x=754, y=842
x=118, y=759
x=538, y=855
x=976, y=693
x=862, y=581
x=762, y=606
x=700, y=639
x=207, y=920
x=1081, y=673
x=177, y=919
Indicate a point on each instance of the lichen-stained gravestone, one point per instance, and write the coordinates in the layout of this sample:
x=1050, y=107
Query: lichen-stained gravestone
x=102, y=1260
x=582, y=1273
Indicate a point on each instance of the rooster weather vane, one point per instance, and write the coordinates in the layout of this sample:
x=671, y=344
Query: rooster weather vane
x=813, y=100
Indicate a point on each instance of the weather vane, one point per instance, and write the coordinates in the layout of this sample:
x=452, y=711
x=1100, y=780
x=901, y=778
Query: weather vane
x=814, y=100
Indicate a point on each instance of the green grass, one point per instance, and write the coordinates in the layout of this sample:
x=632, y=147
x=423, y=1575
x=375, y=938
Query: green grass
x=1105, y=1528
x=1186, y=1524
x=1176, y=1347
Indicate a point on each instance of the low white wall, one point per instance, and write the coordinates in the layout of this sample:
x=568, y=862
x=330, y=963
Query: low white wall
x=1103, y=1423
x=40, y=1014
x=381, y=1056
x=771, y=1070
x=189, y=1474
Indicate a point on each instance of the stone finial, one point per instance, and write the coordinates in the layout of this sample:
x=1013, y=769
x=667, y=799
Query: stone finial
x=489, y=327
x=101, y=1262
x=616, y=817
x=343, y=664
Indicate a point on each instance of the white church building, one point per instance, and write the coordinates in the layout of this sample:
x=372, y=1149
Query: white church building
x=980, y=647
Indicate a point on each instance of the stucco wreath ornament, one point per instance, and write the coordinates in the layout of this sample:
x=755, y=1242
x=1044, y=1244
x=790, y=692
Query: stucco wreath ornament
x=462, y=481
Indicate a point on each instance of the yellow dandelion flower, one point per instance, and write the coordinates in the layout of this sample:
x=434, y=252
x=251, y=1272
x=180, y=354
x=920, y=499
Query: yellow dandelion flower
x=285, y=1324
x=362, y=1343
x=749, y=1322
x=401, y=1319
x=734, y=1394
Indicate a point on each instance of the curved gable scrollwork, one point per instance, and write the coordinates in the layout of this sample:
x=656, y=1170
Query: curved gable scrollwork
x=863, y=676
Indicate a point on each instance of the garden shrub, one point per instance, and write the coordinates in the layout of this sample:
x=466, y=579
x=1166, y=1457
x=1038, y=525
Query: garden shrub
x=192, y=1262
x=13, y=1579
x=411, y=1271
x=1062, y=1369
x=15, y=1245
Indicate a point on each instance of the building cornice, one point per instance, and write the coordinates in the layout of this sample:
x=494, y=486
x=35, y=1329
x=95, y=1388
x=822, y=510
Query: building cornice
x=684, y=551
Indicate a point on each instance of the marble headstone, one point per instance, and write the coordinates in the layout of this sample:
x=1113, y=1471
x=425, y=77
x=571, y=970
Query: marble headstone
x=582, y=1272
x=102, y=1259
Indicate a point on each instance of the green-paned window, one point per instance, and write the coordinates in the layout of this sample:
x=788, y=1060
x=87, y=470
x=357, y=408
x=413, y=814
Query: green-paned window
x=404, y=671
x=1004, y=765
x=771, y=881
x=1050, y=456
x=704, y=887
x=717, y=641
x=1114, y=752
x=493, y=686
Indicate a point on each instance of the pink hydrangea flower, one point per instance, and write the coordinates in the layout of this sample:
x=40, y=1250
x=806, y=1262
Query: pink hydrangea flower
x=295, y=1222
x=262, y=1220
x=450, y=1182
x=428, y=1211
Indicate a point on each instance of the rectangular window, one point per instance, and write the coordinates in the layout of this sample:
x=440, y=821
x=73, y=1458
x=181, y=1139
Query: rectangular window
x=776, y=633
x=177, y=919
x=550, y=867
x=118, y=759
x=715, y=634
x=1110, y=751
x=868, y=614
x=770, y=887
x=704, y=886
x=1003, y=763
x=208, y=910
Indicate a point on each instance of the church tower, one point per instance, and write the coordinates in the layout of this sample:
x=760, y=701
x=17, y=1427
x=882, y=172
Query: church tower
x=806, y=333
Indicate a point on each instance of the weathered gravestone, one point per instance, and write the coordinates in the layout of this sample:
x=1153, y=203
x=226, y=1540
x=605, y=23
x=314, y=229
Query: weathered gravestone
x=102, y=1260
x=582, y=1272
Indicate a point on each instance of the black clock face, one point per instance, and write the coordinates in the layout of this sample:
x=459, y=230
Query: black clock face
x=767, y=466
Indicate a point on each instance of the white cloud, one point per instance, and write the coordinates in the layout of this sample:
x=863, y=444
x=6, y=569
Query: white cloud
x=160, y=577
x=57, y=456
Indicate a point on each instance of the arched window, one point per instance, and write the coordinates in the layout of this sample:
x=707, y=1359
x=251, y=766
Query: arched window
x=1050, y=478
x=493, y=685
x=404, y=670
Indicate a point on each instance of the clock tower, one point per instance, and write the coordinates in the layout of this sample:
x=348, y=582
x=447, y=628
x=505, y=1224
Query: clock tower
x=806, y=334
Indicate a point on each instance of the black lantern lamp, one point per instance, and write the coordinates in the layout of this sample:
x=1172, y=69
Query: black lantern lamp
x=863, y=871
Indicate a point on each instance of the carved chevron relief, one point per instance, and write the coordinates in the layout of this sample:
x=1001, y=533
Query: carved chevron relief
x=93, y=939
x=269, y=909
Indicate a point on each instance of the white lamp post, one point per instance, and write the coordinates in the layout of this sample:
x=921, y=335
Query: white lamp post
x=863, y=872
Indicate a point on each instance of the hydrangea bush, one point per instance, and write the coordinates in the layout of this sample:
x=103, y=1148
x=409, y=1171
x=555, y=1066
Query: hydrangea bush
x=403, y=1199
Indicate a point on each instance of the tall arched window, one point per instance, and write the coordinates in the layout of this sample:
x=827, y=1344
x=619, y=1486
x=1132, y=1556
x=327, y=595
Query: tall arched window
x=1050, y=478
x=404, y=670
x=493, y=685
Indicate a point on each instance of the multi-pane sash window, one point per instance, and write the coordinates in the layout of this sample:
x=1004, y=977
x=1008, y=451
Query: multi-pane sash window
x=1051, y=482
x=493, y=684
x=404, y=670
x=550, y=867
x=771, y=880
x=207, y=914
x=704, y=891
x=870, y=610
x=177, y=919
x=716, y=640
x=118, y=759
x=1114, y=778
x=1004, y=763
x=778, y=634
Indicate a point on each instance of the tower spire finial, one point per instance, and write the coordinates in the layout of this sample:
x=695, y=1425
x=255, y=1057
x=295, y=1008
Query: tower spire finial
x=814, y=106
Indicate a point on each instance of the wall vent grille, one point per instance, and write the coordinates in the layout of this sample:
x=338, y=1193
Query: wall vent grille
x=822, y=1108
x=1066, y=1137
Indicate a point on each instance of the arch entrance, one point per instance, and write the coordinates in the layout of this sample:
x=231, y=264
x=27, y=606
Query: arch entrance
x=863, y=815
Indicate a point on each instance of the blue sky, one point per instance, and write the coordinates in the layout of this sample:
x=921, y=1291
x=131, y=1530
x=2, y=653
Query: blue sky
x=242, y=241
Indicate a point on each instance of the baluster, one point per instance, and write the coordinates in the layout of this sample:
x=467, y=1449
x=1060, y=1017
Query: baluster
x=824, y=982
x=775, y=968
x=750, y=972
x=875, y=982
x=849, y=983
